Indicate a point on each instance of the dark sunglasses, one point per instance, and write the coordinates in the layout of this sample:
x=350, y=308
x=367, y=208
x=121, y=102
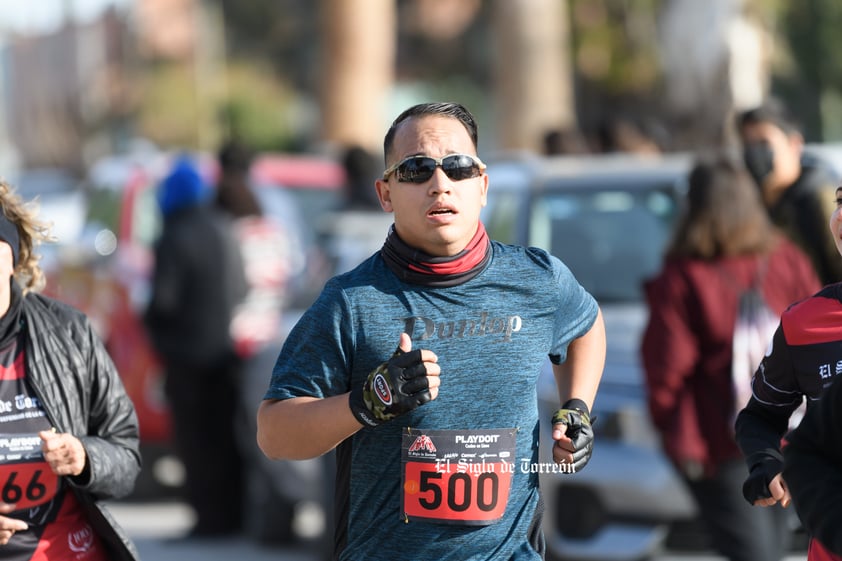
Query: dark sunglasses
x=419, y=169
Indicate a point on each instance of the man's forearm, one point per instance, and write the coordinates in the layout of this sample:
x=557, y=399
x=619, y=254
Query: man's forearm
x=579, y=375
x=304, y=427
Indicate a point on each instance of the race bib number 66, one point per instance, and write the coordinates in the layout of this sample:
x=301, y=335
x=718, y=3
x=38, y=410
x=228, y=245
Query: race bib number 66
x=26, y=480
x=457, y=476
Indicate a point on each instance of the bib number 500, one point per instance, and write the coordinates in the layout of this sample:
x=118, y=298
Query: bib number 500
x=462, y=491
x=447, y=476
x=456, y=497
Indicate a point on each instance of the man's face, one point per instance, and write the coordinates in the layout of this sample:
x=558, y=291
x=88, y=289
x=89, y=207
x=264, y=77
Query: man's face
x=836, y=221
x=786, y=156
x=439, y=216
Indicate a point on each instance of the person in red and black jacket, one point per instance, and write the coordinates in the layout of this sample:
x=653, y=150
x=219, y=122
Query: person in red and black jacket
x=802, y=362
x=722, y=243
x=813, y=472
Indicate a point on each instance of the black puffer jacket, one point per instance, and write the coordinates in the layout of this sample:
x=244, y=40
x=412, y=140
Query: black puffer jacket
x=79, y=388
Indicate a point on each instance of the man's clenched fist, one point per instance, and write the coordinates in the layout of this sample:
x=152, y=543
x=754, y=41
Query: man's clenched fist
x=573, y=433
x=406, y=381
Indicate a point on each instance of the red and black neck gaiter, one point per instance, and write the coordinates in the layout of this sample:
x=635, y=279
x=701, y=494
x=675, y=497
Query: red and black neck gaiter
x=416, y=267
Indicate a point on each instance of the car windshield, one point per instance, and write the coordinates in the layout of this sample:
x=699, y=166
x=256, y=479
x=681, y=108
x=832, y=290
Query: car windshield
x=612, y=240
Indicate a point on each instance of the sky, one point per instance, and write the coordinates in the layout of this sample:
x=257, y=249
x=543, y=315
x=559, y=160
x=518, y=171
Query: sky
x=35, y=16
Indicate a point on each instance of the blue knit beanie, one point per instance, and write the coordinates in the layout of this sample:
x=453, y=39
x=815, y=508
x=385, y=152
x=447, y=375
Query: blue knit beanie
x=182, y=188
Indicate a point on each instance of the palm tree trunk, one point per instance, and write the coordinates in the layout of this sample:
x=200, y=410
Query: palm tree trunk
x=533, y=75
x=357, y=70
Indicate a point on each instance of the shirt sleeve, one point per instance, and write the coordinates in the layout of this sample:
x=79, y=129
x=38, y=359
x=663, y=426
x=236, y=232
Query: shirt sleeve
x=314, y=361
x=576, y=312
x=775, y=395
x=669, y=353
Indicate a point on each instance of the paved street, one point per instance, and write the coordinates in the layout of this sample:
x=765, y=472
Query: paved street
x=154, y=525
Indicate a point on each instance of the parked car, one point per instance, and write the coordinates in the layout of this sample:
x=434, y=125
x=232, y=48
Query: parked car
x=107, y=275
x=609, y=219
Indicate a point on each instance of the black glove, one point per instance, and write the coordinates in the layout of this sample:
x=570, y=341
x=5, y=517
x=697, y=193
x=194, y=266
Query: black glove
x=756, y=485
x=574, y=413
x=393, y=388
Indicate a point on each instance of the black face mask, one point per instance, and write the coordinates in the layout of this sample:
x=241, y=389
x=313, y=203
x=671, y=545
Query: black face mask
x=759, y=160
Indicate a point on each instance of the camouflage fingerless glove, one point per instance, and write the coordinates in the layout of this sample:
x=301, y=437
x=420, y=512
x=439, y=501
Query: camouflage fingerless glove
x=395, y=387
x=574, y=413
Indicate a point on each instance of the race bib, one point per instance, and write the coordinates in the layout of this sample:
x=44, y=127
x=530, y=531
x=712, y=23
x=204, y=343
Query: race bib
x=25, y=478
x=456, y=476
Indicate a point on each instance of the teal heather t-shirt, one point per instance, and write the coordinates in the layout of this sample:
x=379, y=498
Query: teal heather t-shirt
x=492, y=336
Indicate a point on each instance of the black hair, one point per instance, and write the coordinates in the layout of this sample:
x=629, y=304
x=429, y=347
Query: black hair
x=771, y=111
x=233, y=193
x=445, y=109
x=234, y=156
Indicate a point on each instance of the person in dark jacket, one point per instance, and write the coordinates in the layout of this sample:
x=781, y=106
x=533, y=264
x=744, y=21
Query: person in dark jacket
x=801, y=363
x=69, y=430
x=723, y=244
x=813, y=472
x=197, y=281
x=798, y=192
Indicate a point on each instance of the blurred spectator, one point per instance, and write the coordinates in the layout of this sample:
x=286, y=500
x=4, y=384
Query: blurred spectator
x=619, y=134
x=197, y=281
x=233, y=193
x=361, y=172
x=799, y=194
x=265, y=249
x=724, y=239
x=564, y=141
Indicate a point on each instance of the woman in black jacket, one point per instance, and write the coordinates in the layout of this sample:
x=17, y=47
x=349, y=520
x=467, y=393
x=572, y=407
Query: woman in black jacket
x=68, y=431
